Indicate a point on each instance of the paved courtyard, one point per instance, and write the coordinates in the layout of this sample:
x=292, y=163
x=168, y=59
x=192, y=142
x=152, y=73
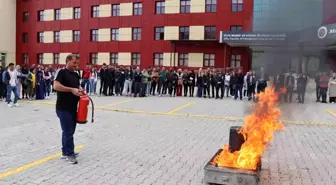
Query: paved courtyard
x=158, y=141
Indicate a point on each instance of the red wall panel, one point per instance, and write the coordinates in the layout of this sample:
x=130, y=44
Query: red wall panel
x=222, y=19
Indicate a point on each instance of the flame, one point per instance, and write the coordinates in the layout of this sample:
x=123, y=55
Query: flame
x=258, y=129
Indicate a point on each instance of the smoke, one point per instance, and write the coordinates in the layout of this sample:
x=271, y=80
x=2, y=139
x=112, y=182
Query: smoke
x=285, y=16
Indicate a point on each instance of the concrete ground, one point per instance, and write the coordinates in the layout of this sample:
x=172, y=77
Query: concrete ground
x=160, y=140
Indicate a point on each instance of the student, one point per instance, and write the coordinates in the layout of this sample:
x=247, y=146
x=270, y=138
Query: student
x=11, y=82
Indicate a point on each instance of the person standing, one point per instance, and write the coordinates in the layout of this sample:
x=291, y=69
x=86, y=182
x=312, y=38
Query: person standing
x=185, y=78
x=19, y=80
x=301, y=87
x=11, y=83
x=239, y=85
x=324, y=79
x=110, y=80
x=117, y=82
x=155, y=79
x=47, y=82
x=39, y=84
x=317, y=82
x=289, y=84
x=85, y=78
x=67, y=86
x=23, y=78
x=137, y=82
x=29, y=85
x=179, y=83
x=127, y=90
x=227, y=83
x=332, y=89
x=206, y=84
x=103, y=80
x=192, y=83
x=93, y=81
x=2, y=86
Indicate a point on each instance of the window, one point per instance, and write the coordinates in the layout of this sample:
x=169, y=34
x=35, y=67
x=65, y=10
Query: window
x=235, y=60
x=57, y=36
x=236, y=28
x=76, y=36
x=237, y=6
x=135, y=59
x=183, y=59
x=136, y=32
x=40, y=37
x=159, y=33
x=209, y=60
x=40, y=15
x=113, y=58
x=93, y=58
x=94, y=35
x=114, y=34
x=40, y=58
x=77, y=13
x=184, y=6
x=95, y=11
x=58, y=14
x=25, y=37
x=116, y=10
x=56, y=58
x=210, y=32
x=25, y=58
x=184, y=33
x=160, y=7
x=210, y=5
x=158, y=59
x=25, y=16
x=137, y=8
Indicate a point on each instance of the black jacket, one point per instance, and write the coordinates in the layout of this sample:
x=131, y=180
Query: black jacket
x=103, y=74
x=137, y=77
x=206, y=79
x=174, y=78
x=129, y=75
x=240, y=79
x=110, y=74
x=219, y=78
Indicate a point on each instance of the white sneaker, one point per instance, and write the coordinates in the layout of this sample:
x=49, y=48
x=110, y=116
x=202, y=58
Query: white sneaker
x=16, y=105
x=9, y=105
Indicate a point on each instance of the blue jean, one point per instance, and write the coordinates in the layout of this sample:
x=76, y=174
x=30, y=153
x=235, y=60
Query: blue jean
x=9, y=92
x=86, y=84
x=93, y=86
x=68, y=125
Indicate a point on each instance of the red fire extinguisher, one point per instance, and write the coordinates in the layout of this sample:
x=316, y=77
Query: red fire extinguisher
x=83, y=108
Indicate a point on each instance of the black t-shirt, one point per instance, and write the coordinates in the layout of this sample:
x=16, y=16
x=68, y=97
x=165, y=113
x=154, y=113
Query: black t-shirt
x=66, y=101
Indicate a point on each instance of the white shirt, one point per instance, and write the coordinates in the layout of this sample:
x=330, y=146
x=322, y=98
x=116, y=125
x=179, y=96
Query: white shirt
x=227, y=79
x=13, y=78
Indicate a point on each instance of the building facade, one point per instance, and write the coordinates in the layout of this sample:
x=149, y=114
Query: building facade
x=176, y=33
x=7, y=30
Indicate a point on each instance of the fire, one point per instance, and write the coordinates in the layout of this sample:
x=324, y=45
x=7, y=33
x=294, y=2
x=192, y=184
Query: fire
x=258, y=132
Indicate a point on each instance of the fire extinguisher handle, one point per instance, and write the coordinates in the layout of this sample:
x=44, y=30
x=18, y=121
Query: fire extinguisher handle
x=92, y=105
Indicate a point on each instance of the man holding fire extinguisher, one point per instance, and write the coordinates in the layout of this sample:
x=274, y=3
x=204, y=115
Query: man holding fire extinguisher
x=68, y=90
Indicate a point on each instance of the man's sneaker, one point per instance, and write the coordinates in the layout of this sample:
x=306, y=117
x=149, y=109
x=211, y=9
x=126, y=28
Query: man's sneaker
x=65, y=157
x=72, y=159
x=9, y=105
x=16, y=105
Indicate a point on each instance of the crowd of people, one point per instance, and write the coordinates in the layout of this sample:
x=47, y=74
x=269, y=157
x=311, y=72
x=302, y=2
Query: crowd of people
x=36, y=83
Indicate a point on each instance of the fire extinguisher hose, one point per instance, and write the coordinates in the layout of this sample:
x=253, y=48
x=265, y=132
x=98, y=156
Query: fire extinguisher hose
x=92, y=105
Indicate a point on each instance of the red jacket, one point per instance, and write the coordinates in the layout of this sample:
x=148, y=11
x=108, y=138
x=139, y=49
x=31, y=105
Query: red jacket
x=86, y=73
x=324, y=81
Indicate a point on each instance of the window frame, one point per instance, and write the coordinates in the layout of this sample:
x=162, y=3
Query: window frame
x=95, y=11
x=234, y=58
x=94, y=58
x=160, y=7
x=185, y=6
x=94, y=34
x=40, y=58
x=25, y=17
x=158, y=59
x=137, y=58
x=136, y=33
x=115, y=11
x=137, y=10
x=211, y=7
x=40, y=37
x=25, y=37
x=114, y=34
x=236, y=28
x=184, y=33
x=237, y=5
x=57, y=14
x=184, y=57
x=159, y=34
x=77, y=12
x=40, y=15
x=114, y=57
x=25, y=58
x=207, y=60
x=75, y=35
x=209, y=33
x=57, y=36
x=56, y=58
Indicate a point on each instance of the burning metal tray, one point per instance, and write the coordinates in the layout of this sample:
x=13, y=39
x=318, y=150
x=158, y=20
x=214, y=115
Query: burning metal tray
x=230, y=176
